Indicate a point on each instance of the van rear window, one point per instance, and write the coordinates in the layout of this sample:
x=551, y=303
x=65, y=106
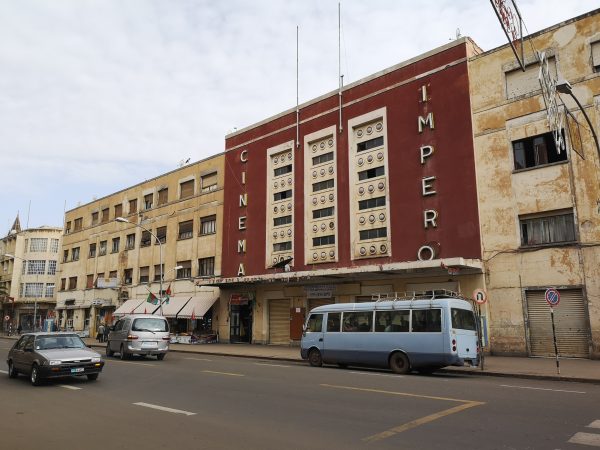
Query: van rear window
x=463, y=319
x=150, y=324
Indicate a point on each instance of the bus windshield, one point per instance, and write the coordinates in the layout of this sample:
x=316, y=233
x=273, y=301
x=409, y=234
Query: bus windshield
x=463, y=319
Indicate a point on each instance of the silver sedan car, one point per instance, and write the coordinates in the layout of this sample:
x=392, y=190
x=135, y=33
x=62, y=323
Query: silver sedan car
x=52, y=355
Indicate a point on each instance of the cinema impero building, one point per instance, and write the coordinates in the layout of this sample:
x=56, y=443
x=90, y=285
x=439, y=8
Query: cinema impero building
x=333, y=204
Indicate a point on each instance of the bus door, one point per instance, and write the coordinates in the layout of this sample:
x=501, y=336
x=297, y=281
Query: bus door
x=313, y=332
x=464, y=330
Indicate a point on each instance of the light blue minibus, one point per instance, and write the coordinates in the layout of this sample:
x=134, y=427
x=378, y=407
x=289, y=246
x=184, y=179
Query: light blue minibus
x=422, y=332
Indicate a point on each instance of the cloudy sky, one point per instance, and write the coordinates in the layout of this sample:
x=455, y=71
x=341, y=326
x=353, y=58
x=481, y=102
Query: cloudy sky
x=98, y=95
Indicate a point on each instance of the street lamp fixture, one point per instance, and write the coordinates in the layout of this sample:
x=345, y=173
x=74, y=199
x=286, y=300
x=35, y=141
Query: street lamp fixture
x=160, y=281
x=564, y=87
x=11, y=256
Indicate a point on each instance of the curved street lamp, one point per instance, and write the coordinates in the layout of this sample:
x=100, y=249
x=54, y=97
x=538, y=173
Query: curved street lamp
x=160, y=281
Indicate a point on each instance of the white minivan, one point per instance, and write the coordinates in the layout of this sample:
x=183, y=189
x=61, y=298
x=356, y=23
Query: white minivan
x=139, y=334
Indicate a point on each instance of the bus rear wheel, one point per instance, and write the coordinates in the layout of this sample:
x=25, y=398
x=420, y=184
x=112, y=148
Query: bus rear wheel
x=399, y=363
x=314, y=358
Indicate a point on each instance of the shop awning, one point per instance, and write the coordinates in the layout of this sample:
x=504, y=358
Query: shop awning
x=174, y=306
x=145, y=307
x=199, y=304
x=128, y=307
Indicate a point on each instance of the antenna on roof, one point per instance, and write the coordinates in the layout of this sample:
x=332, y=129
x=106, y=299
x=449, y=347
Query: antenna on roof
x=340, y=76
x=297, y=90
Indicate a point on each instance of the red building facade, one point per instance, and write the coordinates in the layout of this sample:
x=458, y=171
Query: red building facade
x=381, y=193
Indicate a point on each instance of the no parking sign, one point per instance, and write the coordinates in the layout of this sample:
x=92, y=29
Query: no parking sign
x=552, y=297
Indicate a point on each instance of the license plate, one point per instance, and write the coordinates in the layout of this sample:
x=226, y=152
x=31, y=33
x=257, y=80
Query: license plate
x=149, y=345
x=77, y=370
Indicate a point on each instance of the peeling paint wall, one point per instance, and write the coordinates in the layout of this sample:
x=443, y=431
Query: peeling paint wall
x=506, y=194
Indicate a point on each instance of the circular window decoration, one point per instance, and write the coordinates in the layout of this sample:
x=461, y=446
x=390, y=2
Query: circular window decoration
x=322, y=172
x=276, y=185
x=289, y=206
x=371, y=189
x=331, y=197
x=369, y=130
x=314, y=201
x=383, y=248
x=361, y=190
x=331, y=170
x=322, y=199
x=276, y=209
x=289, y=232
x=370, y=159
x=381, y=186
x=314, y=174
x=274, y=260
x=314, y=148
x=362, y=220
x=275, y=160
x=379, y=126
x=372, y=250
x=280, y=258
x=360, y=161
x=363, y=251
x=322, y=145
x=323, y=227
x=331, y=254
x=281, y=233
x=290, y=181
x=315, y=228
x=380, y=156
x=372, y=218
x=331, y=225
x=315, y=256
x=289, y=156
x=330, y=142
x=275, y=235
x=359, y=133
x=282, y=183
x=382, y=217
x=323, y=255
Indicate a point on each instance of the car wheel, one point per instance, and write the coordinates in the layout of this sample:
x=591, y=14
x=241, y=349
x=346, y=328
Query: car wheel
x=160, y=356
x=122, y=353
x=314, y=358
x=92, y=376
x=109, y=352
x=35, y=377
x=12, y=372
x=399, y=363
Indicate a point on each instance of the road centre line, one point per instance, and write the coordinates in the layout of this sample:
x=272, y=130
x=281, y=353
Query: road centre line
x=271, y=365
x=585, y=439
x=164, y=408
x=4, y=371
x=466, y=404
x=199, y=359
x=66, y=386
x=541, y=389
x=224, y=373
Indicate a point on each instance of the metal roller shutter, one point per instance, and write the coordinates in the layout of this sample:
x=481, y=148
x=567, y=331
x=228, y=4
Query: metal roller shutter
x=314, y=302
x=570, y=320
x=279, y=322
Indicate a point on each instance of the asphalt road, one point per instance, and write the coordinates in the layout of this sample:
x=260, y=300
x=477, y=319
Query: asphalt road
x=190, y=401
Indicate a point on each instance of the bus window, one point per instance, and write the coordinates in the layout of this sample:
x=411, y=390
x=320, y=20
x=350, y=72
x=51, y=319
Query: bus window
x=463, y=319
x=333, y=322
x=392, y=321
x=315, y=323
x=426, y=320
x=358, y=321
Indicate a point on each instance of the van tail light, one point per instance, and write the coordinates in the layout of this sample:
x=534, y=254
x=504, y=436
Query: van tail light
x=132, y=337
x=167, y=338
x=453, y=345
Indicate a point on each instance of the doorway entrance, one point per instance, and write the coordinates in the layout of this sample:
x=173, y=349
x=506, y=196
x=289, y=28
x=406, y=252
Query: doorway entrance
x=240, y=324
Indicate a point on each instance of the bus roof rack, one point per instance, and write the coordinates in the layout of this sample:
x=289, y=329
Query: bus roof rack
x=417, y=295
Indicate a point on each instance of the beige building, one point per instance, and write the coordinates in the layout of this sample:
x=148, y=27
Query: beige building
x=29, y=263
x=110, y=267
x=538, y=204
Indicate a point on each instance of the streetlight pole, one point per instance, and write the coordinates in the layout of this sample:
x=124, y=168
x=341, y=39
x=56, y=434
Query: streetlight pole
x=160, y=282
x=26, y=261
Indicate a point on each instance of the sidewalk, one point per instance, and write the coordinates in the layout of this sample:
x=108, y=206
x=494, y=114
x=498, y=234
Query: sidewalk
x=579, y=370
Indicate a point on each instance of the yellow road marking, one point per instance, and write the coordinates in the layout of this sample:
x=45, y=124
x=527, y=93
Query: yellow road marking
x=466, y=404
x=223, y=373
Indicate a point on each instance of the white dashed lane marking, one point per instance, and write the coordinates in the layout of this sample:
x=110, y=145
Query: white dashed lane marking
x=594, y=424
x=66, y=386
x=541, y=389
x=586, y=439
x=4, y=371
x=272, y=365
x=164, y=408
x=199, y=359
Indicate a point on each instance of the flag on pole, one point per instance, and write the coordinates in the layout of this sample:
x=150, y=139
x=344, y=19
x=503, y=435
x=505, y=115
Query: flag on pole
x=167, y=295
x=152, y=298
x=193, y=314
x=168, y=291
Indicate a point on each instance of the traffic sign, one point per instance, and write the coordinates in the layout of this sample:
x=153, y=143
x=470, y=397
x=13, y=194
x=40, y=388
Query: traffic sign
x=480, y=296
x=552, y=297
x=7, y=318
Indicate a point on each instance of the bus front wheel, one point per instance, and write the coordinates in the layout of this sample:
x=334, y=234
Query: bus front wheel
x=399, y=363
x=314, y=358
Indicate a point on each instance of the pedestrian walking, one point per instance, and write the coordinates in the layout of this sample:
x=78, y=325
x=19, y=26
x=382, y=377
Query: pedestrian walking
x=106, y=331
x=19, y=329
x=100, y=335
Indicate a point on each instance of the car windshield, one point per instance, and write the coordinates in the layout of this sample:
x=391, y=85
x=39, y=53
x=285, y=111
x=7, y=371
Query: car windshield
x=52, y=342
x=149, y=324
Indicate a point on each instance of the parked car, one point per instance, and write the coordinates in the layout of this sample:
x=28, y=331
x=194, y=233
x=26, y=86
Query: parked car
x=52, y=355
x=139, y=334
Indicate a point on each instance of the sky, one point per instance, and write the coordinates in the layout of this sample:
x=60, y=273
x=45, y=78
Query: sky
x=99, y=95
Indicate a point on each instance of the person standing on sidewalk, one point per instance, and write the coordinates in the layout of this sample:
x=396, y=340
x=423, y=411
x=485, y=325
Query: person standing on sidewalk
x=100, y=336
x=106, y=331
